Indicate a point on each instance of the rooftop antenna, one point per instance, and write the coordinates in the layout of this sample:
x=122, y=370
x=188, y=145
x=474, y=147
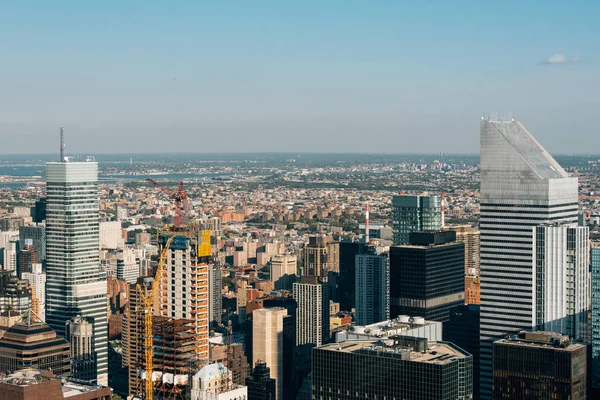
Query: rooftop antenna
x=62, y=144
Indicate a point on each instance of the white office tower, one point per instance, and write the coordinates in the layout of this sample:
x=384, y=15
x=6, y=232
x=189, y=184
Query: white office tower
x=75, y=283
x=267, y=342
x=283, y=271
x=10, y=256
x=215, y=382
x=37, y=280
x=562, y=274
x=372, y=288
x=522, y=187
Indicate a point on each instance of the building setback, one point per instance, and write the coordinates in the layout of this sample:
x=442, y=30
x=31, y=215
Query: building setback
x=31, y=343
x=539, y=365
x=400, y=367
x=522, y=187
x=415, y=213
x=260, y=384
x=427, y=277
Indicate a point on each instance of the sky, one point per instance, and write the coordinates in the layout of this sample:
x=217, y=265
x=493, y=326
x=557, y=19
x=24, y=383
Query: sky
x=295, y=76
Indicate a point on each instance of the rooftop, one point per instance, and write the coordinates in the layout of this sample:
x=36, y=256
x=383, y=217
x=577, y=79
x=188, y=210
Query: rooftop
x=529, y=149
x=434, y=352
x=541, y=339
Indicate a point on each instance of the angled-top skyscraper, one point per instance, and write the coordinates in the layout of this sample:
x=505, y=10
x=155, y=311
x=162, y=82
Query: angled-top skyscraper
x=522, y=187
x=75, y=283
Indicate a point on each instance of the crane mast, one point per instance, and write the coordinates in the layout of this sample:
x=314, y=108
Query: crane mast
x=147, y=302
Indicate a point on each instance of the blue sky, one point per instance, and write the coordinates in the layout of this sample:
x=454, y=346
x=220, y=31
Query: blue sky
x=339, y=76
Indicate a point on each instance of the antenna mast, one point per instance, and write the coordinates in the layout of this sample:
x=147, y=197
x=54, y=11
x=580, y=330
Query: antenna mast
x=62, y=145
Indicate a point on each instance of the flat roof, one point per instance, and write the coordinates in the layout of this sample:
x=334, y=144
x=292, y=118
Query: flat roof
x=437, y=352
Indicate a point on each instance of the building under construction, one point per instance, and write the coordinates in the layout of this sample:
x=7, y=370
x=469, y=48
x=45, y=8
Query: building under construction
x=183, y=289
x=175, y=357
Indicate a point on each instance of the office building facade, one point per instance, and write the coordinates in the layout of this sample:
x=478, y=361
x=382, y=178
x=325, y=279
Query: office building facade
x=561, y=260
x=37, y=234
x=267, y=343
x=399, y=368
x=260, y=384
x=595, y=264
x=427, y=277
x=215, y=297
x=539, y=365
x=75, y=283
x=345, y=290
x=283, y=271
x=415, y=213
x=470, y=237
x=372, y=288
x=522, y=187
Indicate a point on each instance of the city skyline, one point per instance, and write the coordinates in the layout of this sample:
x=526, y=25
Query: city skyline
x=271, y=76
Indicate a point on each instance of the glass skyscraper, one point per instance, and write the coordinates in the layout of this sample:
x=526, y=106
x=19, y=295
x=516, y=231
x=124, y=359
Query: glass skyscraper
x=75, y=283
x=522, y=187
x=415, y=213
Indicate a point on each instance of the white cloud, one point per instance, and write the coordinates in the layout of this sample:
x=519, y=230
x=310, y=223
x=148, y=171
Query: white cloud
x=559, y=59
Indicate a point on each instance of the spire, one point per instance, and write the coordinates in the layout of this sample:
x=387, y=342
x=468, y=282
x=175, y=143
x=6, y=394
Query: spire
x=62, y=145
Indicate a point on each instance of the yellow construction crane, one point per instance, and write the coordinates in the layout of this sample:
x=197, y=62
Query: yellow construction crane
x=147, y=302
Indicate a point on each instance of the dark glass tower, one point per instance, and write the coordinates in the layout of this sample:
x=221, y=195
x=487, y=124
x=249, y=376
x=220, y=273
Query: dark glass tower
x=346, y=281
x=260, y=384
x=463, y=331
x=427, y=276
x=539, y=365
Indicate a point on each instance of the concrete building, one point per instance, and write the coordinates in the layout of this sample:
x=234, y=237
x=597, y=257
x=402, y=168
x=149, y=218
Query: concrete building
x=427, y=276
x=522, y=187
x=184, y=289
x=400, y=367
x=15, y=293
x=75, y=283
x=111, y=236
x=470, y=237
x=31, y=343
x=312, y=315
x=415, y=213
x=267, y=342
x=10, y=252
x=27, y=256
x=372, y=288
x=33, y=384
x=320, y=256
x=539, y=365
x=37, y=234
x=37, y=281
x=401, y=326
x=561, y=260
x=215, y=296
x=128, y=269
x=283, y=271
x=80, y=334
x=472, y=289
x=215, y=382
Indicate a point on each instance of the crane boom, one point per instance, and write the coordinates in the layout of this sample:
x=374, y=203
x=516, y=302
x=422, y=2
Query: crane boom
x=147, y=302
x=179, y=196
